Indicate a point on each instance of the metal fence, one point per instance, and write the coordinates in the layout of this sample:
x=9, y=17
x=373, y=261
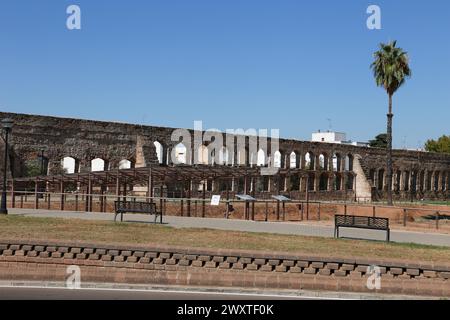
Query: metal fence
x=421, y=217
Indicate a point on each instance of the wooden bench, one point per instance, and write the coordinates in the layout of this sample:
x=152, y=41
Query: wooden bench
x=122, y=207
x=361, y=222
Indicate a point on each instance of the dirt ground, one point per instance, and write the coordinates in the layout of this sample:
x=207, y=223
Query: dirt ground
x=407, y=217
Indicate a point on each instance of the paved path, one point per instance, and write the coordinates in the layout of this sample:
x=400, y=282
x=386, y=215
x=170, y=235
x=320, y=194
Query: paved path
x=43, y=293
x=291, y=228
x=92, y=291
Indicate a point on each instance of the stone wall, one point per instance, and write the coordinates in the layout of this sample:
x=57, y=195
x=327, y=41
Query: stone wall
x=46, y=261
x=416, y=174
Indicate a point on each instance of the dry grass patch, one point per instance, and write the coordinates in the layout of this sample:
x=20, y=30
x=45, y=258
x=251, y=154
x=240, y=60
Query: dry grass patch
x=54, y=229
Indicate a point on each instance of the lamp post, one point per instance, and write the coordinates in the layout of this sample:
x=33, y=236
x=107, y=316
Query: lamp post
x=6, y=126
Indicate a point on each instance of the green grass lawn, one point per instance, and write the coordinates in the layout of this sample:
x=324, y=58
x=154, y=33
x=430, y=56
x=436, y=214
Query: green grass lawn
x=54, y=229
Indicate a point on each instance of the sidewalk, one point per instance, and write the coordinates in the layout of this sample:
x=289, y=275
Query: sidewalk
x=290, y=228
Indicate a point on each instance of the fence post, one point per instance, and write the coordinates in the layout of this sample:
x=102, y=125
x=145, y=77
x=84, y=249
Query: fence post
x=204, y=197
x=373, y=209
x=195, y=208
x=302, y=210
x=318, y=213
x=345, y=209
x=36, y=199
x=267, y=211
x=404, y=217
x=61, y=189
x=182, y=207
x=13, y=195
x=437, y=220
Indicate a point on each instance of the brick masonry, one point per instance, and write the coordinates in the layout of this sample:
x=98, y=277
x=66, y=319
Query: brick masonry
x=85, y=140
x=31, y=260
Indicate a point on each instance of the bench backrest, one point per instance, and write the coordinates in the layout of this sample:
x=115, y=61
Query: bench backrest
x=135, y=206
x=361, y=222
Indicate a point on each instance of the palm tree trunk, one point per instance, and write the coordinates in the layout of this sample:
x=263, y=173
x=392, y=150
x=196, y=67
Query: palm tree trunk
x=389, y=153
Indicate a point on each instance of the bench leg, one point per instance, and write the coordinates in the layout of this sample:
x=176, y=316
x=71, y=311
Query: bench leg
x=121, y=217
x=115, y=216
x=160, y=218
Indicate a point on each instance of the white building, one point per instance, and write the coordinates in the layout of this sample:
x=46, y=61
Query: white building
x=328, y=136
x=335, y=137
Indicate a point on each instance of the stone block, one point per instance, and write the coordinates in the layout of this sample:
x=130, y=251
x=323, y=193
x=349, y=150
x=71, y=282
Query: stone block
x=309, y=271
x=266, y=268
x=260, y=262
x=211, y=264
x=232, y=259
x=274, y=262
x=280, y=268
x=165, y=255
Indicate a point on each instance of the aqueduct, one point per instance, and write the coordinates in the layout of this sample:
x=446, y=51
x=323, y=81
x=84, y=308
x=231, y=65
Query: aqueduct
x=325, y=171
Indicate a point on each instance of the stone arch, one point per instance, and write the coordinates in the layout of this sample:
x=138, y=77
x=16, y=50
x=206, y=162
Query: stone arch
x=436, y=181
x=338, y=181
x=180, y=153
x=414, y=175
x=70, y=165
x=159, y=151
x=428, y=181
x=350, y=181
x=309, y=161
x=241, y=157
x=224, y=156
x=323, y=161
x=406, y=180
x=372, y=177
x=380, y=185
x=294, y=182
x=323, y=182
x=422, y=180
x=444, y=181
x=277, y=161
x=337, y=162
x=98, y=164
x=311, y=182
x=261, y=158
x=293, y=162
x=125, y=164
x=397, y=181
x=203, y=155
x=349, y=162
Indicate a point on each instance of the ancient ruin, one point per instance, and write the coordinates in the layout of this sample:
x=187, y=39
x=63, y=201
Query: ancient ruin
x=52, y=147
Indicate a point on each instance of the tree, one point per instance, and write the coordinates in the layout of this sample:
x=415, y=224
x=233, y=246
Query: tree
x=442, y=145
x=390, y=69
x=380, y=141
x=32, y=169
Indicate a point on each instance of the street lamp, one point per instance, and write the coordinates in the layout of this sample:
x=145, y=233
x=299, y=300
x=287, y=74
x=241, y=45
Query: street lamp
x=6, y=126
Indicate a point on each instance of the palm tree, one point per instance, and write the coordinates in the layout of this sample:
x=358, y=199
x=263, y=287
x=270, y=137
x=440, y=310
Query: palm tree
x=390, y=69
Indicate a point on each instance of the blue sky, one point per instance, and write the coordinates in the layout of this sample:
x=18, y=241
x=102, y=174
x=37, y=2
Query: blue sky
x=233, y=64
